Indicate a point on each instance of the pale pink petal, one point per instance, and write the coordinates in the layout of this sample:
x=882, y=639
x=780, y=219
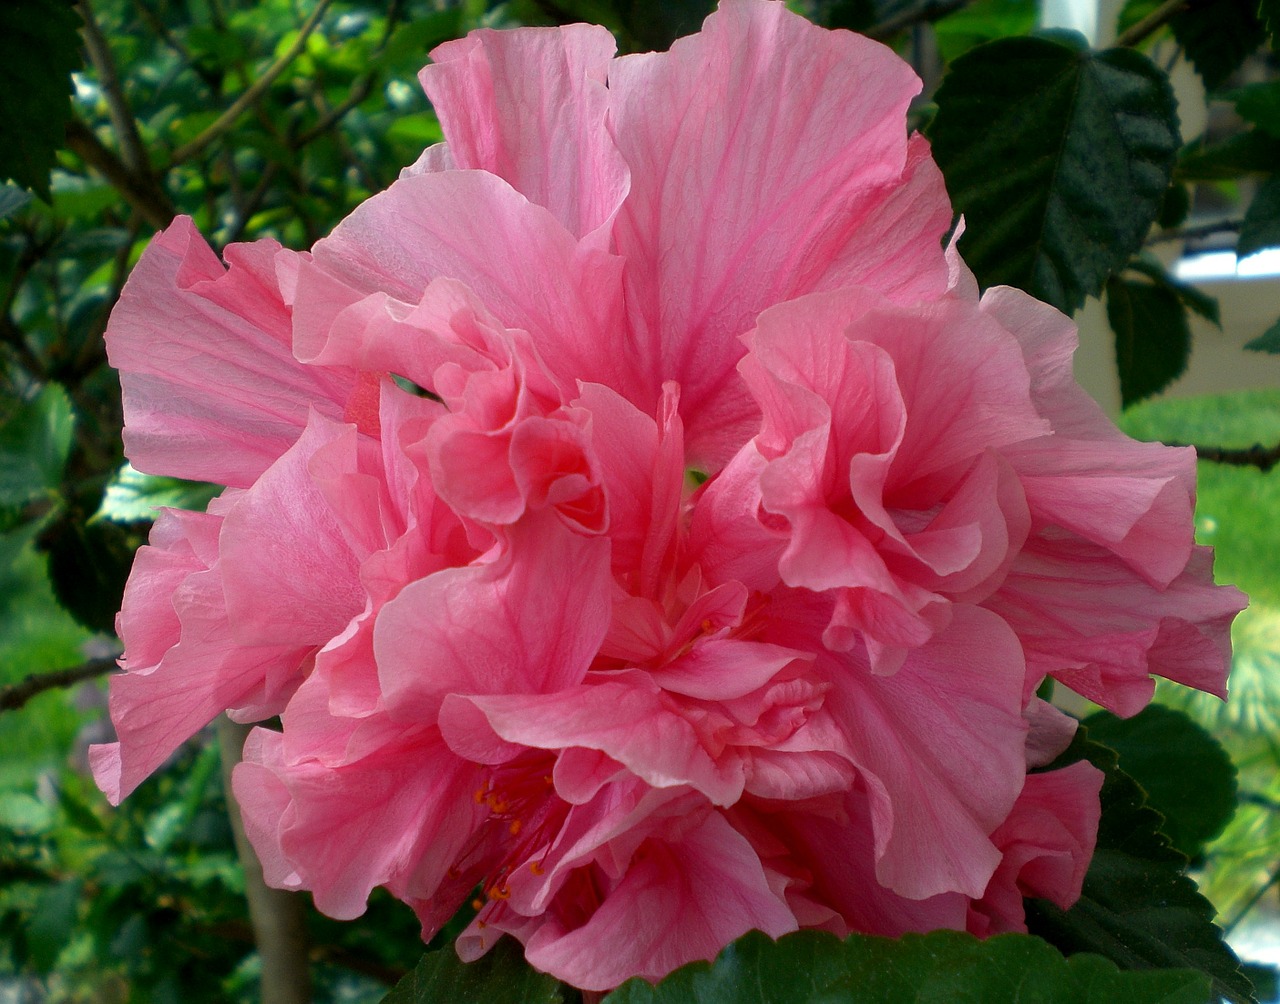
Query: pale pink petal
x=156, y=709
x=940, y=744
x=530, y=106
x=627, y=720
x=289, y=573
x=763, y=152
x=708, y=887
x=1086, y=617
x=527, y=622
x=513, y=255
x=211, y=389
x=405, y=809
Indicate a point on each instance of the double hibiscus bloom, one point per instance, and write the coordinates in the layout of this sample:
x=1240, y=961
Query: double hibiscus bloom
x=636, y=515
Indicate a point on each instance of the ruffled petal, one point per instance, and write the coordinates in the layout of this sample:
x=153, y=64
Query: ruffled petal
x=211, y=389
x=529, y=106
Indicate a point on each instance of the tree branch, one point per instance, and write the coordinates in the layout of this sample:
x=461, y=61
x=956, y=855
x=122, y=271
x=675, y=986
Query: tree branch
x=259, y=87
x=277, y=916
x=132, y=151
x=927, y=12
x=1193, y=233
x=151, y=203
x=1157, y=19
x=15, y=695
x=1262, y=457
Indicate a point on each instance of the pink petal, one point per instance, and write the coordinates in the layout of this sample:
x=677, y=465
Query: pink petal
x=1047, y=843
x=156, y=709
x=529, y=106
x=513, y=255
x=289, y=573
x=626, y=720
x=767, y=160
x=211, y=389
x=940, y=745
x=399, y=814
x=1090, y=620
x=527, y=622
x=708, y=887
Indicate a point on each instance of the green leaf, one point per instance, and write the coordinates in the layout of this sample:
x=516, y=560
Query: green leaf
x=1085, y=146
x=942, y=967
x=1193, y=299
x=501, y=975
x=1217, y=36
x=1268, y=341
x=1261, y=227
x=12, y=199
x=1138, y=908
x=52, y=922
x=39, y=47
x=1188, y=777
x=1252, y=152
x=1153, y=339
x=1259, y=104
x=983, y=21
x=88, y=566
x=1269, y=15
x=133, y=496
x=34, y=443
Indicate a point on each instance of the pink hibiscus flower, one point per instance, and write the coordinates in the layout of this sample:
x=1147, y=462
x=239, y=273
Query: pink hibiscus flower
x=635, y=515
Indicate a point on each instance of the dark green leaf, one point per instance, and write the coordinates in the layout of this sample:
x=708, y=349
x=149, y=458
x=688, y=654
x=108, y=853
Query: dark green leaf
x=1259, y=104
x=942, y=967
x=1193, y=299
x=1252, y=152
x=12, y=198
x=1085, y=145
x=1269, y=14
x=1261, y=227
x=34, y=443
x=1174, y=207
x=502, y=975
x=1138, y=908
x=1265, y=980
x=1153, y=339
x=88, y=565
x=39, y=47
x=1217, y=36
x=1188, y=777
x=1268, y=341
x=52, y=922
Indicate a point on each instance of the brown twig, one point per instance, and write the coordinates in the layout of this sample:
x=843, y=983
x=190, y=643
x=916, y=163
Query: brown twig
x=15, y=695
x=1262, y=457
x=255, y=90
x=133, y=153
x=916, y=15
x=151, y=203
x=1154, y=21
x=1196, y=232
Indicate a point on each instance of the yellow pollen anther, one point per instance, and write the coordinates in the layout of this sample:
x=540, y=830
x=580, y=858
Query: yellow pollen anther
x=481, y=924
x=707, y=625
x=500, y=892
x=477, y=903
x=480, y=796
x=536, y=867
x=514, y=828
